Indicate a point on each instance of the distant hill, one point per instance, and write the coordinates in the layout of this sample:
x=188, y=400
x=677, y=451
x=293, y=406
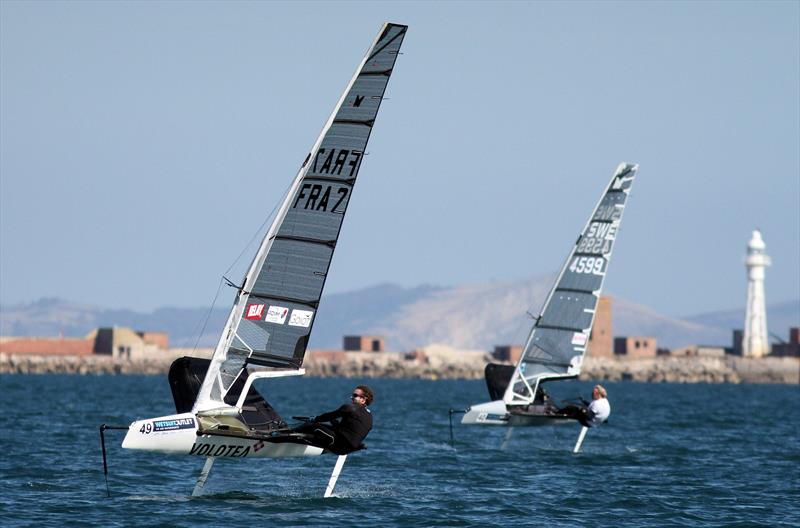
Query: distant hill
x=363, y=311
x=780, y=317
x=473, y=316
x=52, y=317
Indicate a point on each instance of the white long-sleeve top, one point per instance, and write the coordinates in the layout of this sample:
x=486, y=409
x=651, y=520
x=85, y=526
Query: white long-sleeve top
x=601, y=410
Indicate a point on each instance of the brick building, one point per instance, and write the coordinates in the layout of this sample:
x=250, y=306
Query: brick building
x=699, y=350
x=363, y=343
x=792, y=348
x=601, y=338
x=635, y=347
x=118, y=342
x=47, y=346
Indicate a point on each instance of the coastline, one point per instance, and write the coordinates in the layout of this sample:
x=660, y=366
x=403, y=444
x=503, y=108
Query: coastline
x=467, y=365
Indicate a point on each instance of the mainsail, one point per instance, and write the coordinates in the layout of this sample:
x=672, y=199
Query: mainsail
x=272, y=316
x=557, y=342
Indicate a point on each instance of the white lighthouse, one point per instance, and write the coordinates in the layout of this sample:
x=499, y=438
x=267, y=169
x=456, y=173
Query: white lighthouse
x=755, y=342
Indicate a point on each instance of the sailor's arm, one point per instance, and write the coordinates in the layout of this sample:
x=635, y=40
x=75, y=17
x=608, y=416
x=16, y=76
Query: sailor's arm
x=329, y=416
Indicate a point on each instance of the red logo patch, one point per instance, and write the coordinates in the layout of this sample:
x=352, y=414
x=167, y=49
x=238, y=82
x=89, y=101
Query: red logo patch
x=255, y=311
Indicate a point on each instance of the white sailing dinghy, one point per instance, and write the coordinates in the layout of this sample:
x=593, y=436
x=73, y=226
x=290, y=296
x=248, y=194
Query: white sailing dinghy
x=557, y=342
x=267, y=331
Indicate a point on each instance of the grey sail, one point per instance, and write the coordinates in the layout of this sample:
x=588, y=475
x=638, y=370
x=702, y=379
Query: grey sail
x=557, y=343
x=274, y=312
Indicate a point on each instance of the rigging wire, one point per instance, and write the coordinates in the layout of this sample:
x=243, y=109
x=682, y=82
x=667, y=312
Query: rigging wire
x=524, y=322
x=269, y=217
x=208, y=316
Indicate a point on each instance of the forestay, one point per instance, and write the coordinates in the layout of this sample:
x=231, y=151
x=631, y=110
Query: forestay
x=274, y=311
x=557, y=343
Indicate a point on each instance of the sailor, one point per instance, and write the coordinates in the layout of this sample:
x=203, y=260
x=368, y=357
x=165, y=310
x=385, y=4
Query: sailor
x=591, y=414
x=349, y=424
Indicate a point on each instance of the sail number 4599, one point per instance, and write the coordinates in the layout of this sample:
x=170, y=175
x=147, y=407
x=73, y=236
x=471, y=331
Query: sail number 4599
x=592, y=265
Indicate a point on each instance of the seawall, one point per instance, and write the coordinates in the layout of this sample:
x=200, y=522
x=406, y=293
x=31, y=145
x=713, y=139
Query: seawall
x=451, y=366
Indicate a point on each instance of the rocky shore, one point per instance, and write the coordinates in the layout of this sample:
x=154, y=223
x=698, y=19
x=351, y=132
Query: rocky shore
x=730, y=369
x=443, y=363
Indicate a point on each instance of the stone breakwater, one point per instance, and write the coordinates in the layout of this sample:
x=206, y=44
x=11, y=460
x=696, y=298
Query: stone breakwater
x=695, y=369
x=450, y=366
x=35, y=364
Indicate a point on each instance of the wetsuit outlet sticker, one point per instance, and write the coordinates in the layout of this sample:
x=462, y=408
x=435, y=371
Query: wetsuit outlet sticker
x=172, y=425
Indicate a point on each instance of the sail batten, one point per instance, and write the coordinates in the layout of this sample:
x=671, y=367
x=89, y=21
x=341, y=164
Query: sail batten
x=348, y=181
x=565, y=328
x=384, y=73
x=293, y=300
x=558, y=340
x=573, y=290
x=368, y=123
x=325, y=242
x=273, y=314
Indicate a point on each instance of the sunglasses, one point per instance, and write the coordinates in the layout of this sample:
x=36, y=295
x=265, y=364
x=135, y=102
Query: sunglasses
x=354, y=395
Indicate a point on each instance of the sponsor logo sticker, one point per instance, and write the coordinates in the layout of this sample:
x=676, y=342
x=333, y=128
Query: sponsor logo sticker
x=219, y=450
x=173, y=425
x=277, y=314
x=579, y=338
x=301, y=318
x=255, y=311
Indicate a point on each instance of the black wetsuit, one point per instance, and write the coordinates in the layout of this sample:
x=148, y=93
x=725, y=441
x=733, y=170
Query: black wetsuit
x=350, y=426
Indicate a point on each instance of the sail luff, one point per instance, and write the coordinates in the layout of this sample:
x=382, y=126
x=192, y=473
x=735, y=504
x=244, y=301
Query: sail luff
x=519, y=389
x=240, y=341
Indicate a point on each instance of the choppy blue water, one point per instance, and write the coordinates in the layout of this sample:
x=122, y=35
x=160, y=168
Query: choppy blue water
x=672, y=455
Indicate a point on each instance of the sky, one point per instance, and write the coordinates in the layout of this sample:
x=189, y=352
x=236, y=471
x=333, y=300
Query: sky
x=143, y=144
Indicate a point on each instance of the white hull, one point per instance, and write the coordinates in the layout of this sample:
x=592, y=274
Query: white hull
x=490, y=413
x=177, y=435
x=496, y=413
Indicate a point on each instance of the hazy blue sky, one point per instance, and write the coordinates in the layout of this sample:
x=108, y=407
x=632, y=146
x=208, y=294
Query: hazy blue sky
x=142, y=144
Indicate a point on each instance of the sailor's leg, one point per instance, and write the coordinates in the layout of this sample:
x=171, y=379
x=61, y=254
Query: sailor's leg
x=201, y=480
x=577, y=412
x=580, y=439
x=335, y=475
x=506, y=439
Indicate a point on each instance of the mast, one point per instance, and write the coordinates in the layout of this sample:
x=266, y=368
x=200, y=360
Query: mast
x=557, y=342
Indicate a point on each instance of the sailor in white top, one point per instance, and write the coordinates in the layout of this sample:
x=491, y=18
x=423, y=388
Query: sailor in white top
x=590, y=414
x=599, y=409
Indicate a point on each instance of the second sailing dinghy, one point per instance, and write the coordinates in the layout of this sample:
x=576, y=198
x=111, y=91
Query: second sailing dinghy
x=557, y=342
x=267, y=331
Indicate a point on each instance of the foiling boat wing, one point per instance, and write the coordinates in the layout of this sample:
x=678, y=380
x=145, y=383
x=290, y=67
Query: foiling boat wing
x=267, y=331
x=557, y=342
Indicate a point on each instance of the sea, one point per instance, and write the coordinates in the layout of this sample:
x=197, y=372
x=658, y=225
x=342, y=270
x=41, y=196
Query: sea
x=670, y=455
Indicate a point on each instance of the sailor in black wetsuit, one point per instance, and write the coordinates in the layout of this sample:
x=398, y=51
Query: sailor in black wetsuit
x=350, y=424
